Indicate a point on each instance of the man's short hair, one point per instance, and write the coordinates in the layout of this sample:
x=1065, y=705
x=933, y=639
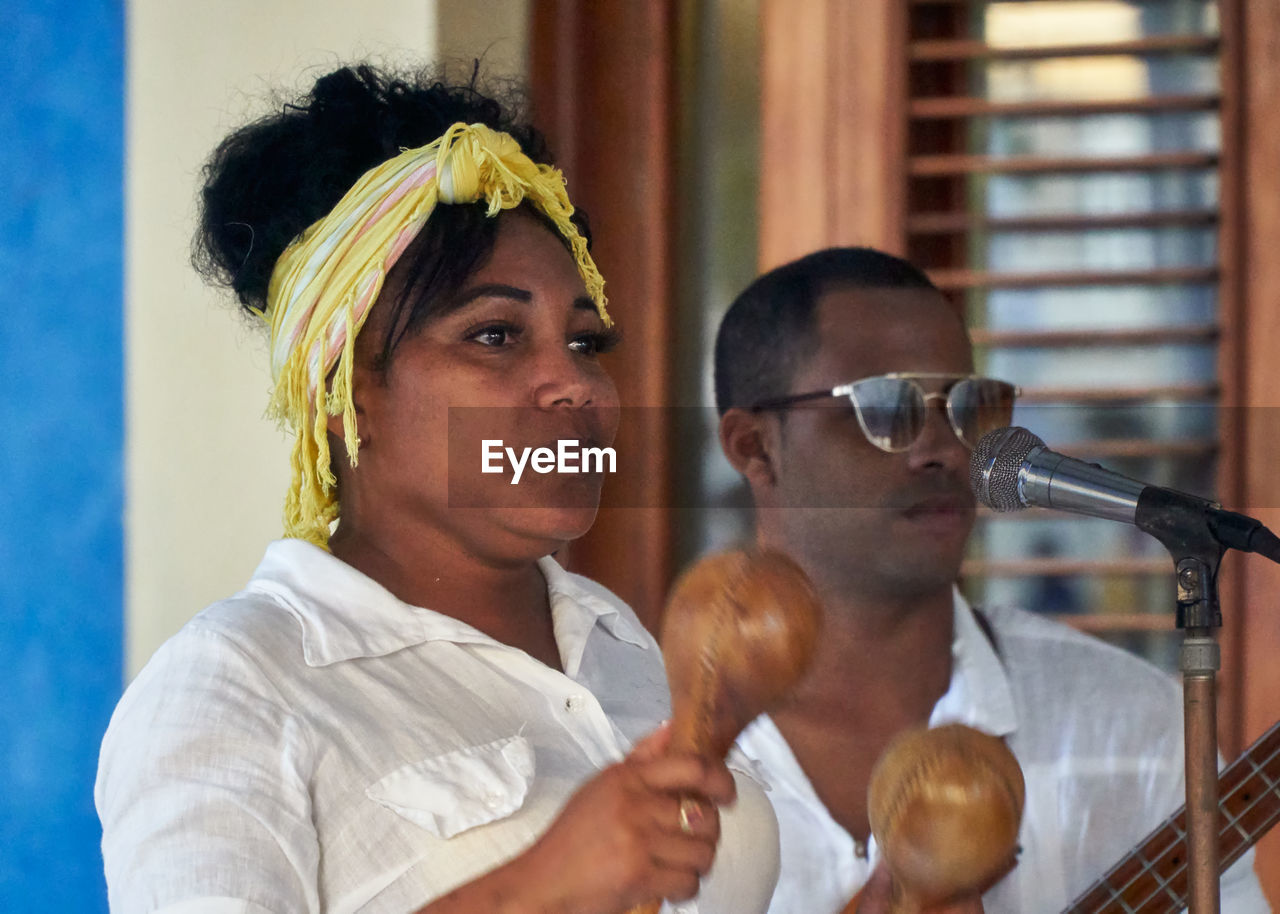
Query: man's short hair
x=769, y=327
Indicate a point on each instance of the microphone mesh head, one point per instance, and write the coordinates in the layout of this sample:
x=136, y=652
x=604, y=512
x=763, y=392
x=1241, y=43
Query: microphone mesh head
x=996, y=463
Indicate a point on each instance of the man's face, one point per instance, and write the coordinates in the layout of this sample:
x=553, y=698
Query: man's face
x=891, y=524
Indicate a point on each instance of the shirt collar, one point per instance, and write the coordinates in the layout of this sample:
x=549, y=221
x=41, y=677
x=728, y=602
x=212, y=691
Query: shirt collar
x=980, y=693
x=577, y=605
x=344, y=614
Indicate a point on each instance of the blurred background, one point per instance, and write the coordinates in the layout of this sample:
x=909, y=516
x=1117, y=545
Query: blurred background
x=1096, y=183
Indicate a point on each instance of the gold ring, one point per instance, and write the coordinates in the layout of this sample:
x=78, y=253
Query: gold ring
x=690, y=812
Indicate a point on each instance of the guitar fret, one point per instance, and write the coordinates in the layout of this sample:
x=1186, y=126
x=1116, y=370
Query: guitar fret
x=1256, y=823
x=1163, y=884
x=1124, y=905
x=1168, y=890
x=1227, y=858
x=1247, y=786
x=1158, y=869
x=1166, y=850
x=1177, y=853
x=1229, y=821
x=1260, y=773
x=1129, y=887
x=1235, y=823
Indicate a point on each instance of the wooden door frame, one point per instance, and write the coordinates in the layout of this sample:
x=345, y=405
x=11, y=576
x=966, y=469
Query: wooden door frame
x=602, y=77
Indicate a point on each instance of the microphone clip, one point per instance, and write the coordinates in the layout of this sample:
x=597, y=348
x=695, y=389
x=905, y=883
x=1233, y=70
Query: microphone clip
x=1182, y=523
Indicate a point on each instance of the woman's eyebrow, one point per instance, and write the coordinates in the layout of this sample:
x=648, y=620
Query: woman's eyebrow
x=511, y=293
x=492, y=290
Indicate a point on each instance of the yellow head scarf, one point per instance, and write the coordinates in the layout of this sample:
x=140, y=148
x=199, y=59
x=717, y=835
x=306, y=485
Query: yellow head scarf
x=325, y=282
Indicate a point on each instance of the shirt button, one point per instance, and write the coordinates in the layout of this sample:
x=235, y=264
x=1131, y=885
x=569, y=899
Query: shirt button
x=575, y=703
x=492, y=800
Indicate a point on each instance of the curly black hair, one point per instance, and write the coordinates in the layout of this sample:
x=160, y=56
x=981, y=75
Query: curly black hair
x=269, y=180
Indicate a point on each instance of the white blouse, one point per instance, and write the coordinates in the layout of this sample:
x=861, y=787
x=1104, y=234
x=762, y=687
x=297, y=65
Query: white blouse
x=314, y=744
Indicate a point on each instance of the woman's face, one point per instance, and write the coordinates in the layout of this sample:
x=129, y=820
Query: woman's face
x=514, y=366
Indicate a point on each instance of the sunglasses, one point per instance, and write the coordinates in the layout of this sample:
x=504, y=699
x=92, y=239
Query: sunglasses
x=892, y=408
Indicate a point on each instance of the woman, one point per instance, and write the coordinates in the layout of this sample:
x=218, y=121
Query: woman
x=417, y=709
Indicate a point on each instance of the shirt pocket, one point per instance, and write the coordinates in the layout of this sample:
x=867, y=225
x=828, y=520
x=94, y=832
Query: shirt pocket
x=450, y=793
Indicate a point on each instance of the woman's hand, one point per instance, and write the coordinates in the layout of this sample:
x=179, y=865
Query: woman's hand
x=643, y=829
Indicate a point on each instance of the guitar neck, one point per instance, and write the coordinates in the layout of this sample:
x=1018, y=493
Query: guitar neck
x=1153, y=878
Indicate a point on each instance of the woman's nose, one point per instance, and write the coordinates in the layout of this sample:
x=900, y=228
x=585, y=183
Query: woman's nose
x=562, y=379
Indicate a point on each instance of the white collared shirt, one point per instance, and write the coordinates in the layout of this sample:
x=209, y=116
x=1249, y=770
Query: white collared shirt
x=314, y=744
x=1098, y=734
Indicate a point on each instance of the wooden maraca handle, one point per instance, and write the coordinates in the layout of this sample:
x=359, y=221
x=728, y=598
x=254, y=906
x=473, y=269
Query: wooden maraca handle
x=945, y=805
x=737, y=635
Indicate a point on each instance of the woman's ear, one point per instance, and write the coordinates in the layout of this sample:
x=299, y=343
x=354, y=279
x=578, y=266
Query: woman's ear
x=361, y=378
x=748, y=440
x=337, y=426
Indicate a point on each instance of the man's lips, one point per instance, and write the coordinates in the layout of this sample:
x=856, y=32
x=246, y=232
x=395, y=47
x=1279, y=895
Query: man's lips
x=940, y=506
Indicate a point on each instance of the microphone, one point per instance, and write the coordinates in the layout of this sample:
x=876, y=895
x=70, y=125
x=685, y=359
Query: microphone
x=1011, y=469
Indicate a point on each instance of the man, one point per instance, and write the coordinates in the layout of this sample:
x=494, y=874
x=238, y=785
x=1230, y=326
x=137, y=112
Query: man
x=866, y=486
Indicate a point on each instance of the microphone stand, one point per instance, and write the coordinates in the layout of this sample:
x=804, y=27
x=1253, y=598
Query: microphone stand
x=1200, y=661
x=1011, y=468
x=1184, y=528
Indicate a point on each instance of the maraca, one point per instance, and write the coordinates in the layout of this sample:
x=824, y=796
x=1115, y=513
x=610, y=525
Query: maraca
x=739, y=631
x=944, y=805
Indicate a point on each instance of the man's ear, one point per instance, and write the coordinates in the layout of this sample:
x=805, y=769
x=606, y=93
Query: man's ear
x=749, y=441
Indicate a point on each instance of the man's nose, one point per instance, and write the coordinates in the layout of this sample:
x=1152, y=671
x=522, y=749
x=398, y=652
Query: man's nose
x=938, y=445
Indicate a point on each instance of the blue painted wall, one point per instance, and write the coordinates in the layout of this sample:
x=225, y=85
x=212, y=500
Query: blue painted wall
x=62, y=416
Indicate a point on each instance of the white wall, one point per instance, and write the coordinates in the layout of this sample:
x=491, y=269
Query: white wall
x=206, y=472
x=495, y=31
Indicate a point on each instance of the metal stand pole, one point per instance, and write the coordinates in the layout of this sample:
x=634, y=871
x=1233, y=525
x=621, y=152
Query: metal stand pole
x=1200, y=660
x=1197, y=533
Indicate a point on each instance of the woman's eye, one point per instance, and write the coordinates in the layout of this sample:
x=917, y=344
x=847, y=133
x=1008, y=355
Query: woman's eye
x=594, y=343
x=493, y=335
